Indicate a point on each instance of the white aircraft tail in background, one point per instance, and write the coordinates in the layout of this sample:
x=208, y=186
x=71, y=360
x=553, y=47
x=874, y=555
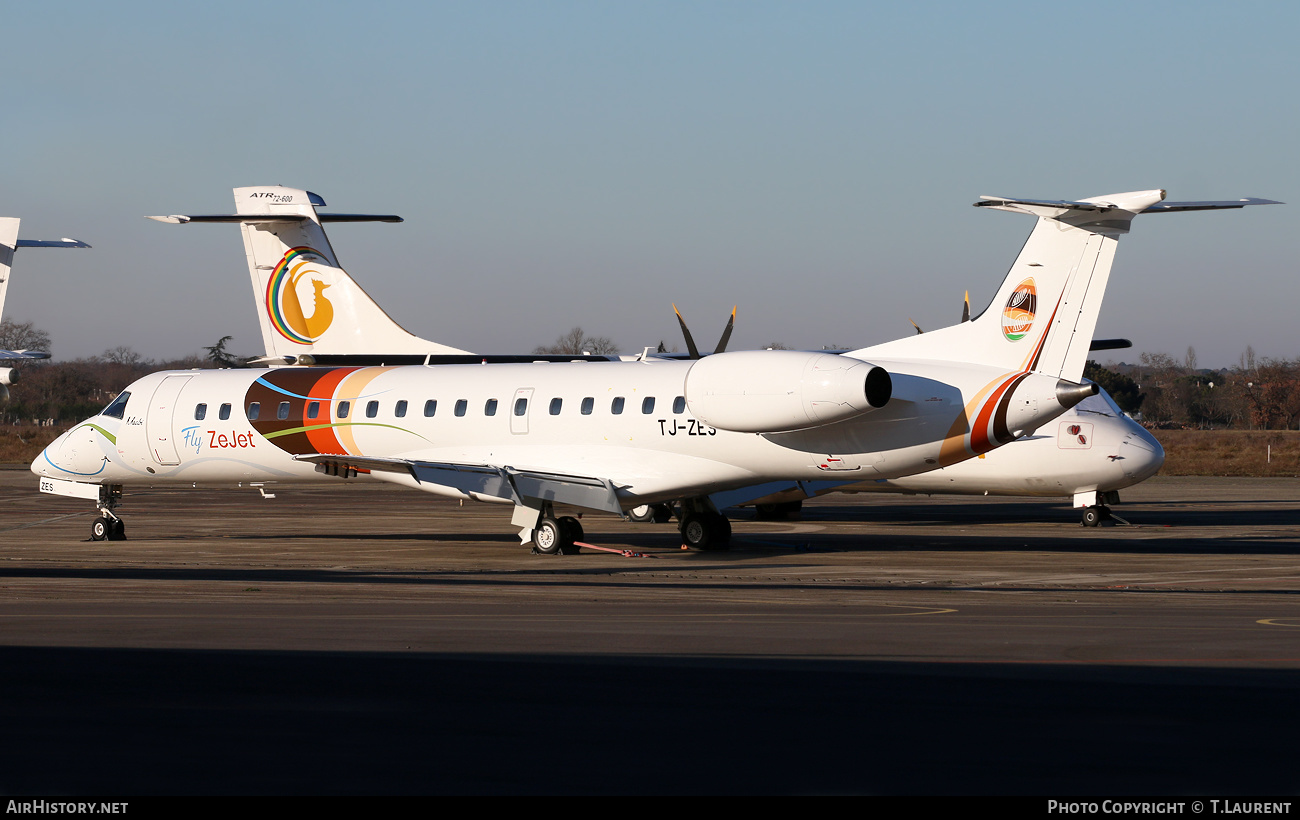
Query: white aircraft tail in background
x=1055, y=284
x=307, y=305
x=9, y=242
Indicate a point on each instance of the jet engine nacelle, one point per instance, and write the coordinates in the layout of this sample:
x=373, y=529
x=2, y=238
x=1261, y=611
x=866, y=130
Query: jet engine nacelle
x=773, y=391
x=8, y=376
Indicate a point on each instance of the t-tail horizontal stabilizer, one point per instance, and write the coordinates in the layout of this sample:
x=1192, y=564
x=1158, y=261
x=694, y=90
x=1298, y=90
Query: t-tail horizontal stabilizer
x=1045, y=312
x=307, y=305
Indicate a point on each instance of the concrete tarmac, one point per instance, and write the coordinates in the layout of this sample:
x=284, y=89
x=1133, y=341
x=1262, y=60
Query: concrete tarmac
x=356, y=638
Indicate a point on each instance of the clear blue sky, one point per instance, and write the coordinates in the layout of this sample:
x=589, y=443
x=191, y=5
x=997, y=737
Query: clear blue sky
x=589, y=163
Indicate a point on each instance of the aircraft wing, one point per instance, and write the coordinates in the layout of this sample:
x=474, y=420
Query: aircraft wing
x=496, y=481
x=26, y=355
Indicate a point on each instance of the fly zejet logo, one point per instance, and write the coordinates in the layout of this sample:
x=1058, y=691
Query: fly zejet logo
x=1018, y=315
x=284, y=305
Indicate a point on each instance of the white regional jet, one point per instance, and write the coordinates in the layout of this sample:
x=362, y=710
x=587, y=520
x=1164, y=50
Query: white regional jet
x=616, y=435
x=9, y=242
x=1095, y=452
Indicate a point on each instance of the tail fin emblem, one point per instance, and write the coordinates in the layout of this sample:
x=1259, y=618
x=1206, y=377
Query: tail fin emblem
x=1018, y=315
x=284, y=306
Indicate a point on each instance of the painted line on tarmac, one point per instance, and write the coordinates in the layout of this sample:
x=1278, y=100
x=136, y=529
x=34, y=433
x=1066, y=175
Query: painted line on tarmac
x=48, y=521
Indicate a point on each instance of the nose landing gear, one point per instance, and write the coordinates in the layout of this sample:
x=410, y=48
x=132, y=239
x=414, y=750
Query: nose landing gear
x=108, y=527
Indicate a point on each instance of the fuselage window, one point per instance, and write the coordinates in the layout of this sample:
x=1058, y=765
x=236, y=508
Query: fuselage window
x=490, y=408
x=461, y=405
x=344, y=407
x=430, y=407
x=282, y=412
x=587, y=405
x=521, y=406
x=616, y=406
x=400, y=409
x=117, y=407
x=372, y=409
x=224, y=412
x=556, y=404
x=679, y=405
x=648, y=405
x=200, y=411
x=254, y=410
x=313, y=410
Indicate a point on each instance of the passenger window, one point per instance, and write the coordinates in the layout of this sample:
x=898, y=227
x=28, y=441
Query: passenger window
x=254, y=410
x=490, y=408
x=282, y=412
x=679, y=405
x=200, y=411
x=372, y=409
x=616, y=406
x=587, y=405
x=224, y=412
x=400, y=409
x=648, y=405
x=556, y=404
x=117, y=407
x=461, y=405
x=521, y=406
x=344, y=407
x=430, y=407
x=313, y=410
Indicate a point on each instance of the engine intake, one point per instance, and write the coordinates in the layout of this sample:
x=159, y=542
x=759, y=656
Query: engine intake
x=775, y=391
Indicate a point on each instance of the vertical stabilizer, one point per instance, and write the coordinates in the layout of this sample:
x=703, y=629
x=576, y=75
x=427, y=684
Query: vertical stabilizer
x=1042, y=318
x=8, y=242
x=306, y=303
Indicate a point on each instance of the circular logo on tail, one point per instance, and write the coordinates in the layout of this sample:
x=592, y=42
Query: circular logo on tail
x=1018, y=315
x=284, y=304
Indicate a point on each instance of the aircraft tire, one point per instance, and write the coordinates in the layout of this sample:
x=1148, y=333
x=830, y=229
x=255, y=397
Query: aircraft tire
x=100, y=529
x=572, y=529
x=549, y=537
x=643, y=514
x=706, y=531
x=117, y=530
x=1091, y=516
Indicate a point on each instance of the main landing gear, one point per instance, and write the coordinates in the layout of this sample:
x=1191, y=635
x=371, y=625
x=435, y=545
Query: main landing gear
x=702, y=526
x=549, y=534
x=108, y=527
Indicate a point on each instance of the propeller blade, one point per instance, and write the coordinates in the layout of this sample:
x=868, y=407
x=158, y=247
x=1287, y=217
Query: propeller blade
x=915, y=325
x=965, y=308
x=726, y=334
x=690, y=342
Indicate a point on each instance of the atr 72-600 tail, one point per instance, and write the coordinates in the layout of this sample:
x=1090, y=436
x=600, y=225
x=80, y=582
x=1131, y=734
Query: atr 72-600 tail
x=1043, y=316
x=307, y=304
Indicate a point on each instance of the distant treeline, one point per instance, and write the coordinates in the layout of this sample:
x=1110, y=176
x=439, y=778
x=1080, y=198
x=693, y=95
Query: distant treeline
x=1259, y=394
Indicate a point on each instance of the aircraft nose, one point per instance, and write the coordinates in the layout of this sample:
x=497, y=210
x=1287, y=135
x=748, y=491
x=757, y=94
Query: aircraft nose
x=45, y=460
x=1140, y=454
x=75, y=453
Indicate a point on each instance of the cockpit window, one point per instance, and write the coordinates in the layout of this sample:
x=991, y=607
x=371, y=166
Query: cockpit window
x=1101, y=404
x=117, y=408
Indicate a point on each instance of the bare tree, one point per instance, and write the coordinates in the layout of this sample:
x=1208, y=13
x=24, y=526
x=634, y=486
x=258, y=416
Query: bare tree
x=123, y=354
x=576, y=342
x=23, y=336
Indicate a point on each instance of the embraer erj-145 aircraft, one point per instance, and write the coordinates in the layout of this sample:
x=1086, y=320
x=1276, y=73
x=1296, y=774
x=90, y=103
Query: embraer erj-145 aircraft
x=9, y=242
x=615, y=435
x=1095, y=452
